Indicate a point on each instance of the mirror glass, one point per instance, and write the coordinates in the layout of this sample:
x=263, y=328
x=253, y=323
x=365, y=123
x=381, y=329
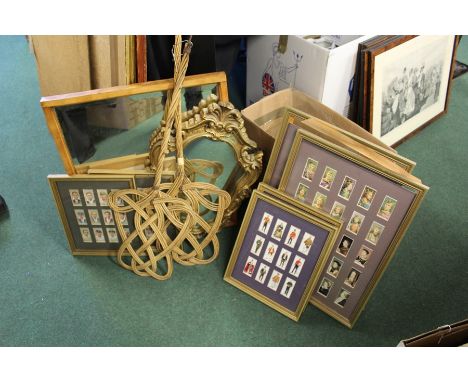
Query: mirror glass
x=120, y=126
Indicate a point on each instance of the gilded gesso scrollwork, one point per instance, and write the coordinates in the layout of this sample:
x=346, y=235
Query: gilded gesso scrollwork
x=220, y=121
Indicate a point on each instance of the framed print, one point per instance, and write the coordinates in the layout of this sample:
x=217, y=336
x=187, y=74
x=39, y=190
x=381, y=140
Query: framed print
x=360, y=98
x=280, y=273
x=409, y=85
x=366, y=241
x=88, y=221
x=294, y=120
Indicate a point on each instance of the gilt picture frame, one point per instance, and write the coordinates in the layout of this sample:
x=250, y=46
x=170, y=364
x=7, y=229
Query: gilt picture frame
x=280, y=250
x=88, y=221
x=293, y=120
x=374, y=239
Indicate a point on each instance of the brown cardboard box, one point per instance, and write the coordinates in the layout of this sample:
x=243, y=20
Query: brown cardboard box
x=62, y=63
x=124, y=112
x=263, y=118
x=68, y=64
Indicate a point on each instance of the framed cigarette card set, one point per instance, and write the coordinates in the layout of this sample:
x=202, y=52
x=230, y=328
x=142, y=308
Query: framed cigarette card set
x=371, y=191
x=374, y=203
x=293, y=120
x=280, y=250
x=88, y=220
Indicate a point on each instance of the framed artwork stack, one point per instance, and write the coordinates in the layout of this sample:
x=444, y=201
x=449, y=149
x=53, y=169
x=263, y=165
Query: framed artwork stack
x=328, y=173
x=402, y=84
x=99, y=144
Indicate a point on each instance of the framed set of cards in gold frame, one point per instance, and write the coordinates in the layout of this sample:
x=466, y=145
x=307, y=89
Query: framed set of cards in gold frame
x=88, y=221
x=280, y=250
x=375, y=204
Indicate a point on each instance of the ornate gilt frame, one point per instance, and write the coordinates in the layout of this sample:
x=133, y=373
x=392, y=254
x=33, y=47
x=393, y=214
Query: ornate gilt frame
x=214, y=118
x=316, y=217
x=220, y=121
x=408, y=182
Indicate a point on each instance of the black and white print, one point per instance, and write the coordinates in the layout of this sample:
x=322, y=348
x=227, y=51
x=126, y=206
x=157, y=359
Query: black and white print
x=409, y=87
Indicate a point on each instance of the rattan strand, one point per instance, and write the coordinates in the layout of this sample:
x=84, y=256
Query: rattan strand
x=168, y=217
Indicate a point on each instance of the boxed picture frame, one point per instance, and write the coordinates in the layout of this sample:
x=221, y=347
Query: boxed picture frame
x=89, y=223
x=263, y=119
x=321, y=66
x=280, y=250
x=293, y=120
x=409, y=81
x=375, y=204
x=315, y=125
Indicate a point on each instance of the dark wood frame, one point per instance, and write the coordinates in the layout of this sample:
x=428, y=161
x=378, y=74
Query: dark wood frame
x=362, y=75
x=368, y=85
x=141, y=59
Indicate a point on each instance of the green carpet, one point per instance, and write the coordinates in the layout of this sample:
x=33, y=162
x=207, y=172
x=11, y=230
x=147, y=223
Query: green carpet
x=49, y=298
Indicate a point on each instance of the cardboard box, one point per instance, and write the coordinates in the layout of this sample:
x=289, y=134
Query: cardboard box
x=263, y=119
x=68, y=64
x=62, y=63
x=324, y=73
x=124, y=112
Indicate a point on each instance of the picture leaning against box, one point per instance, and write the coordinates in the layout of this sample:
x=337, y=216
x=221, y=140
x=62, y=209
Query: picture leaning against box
x=374, y=222
x=375, y=205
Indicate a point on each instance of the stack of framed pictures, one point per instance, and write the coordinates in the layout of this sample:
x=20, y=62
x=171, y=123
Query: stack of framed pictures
x=102, y=150
x=402, y=84
x=333, y=175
